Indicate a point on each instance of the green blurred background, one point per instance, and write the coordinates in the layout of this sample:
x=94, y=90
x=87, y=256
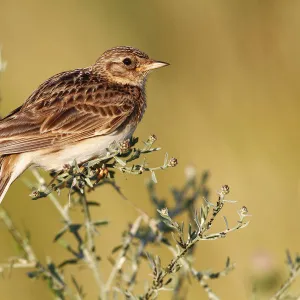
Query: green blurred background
x=228, y=103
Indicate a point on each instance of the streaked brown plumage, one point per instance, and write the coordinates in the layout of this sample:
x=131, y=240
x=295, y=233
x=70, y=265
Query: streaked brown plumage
x=76, y=114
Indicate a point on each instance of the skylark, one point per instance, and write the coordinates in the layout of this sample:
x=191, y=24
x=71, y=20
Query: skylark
x=76, y=115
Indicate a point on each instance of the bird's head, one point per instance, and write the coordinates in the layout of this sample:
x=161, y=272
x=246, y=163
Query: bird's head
x=126, y=65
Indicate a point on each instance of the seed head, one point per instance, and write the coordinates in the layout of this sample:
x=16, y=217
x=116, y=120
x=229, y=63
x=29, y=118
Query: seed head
x=125, y=146
x=152, y=138
x=173, y=162
x=141, y=170
x=225, y=189
x=244, y=210
x=34, y=194
x=102, y=172
x=164, y=211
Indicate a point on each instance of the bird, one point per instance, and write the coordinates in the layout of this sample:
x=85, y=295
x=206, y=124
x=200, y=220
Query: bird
x=76, y=115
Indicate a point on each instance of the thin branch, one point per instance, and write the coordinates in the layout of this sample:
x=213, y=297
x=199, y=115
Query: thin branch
x=294, y=268
x=23, y=242
x=89, y=251
x=122, y=256
x=43, y=187
x=30, y=260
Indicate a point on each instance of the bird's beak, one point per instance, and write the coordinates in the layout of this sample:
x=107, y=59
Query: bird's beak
x=151, y=64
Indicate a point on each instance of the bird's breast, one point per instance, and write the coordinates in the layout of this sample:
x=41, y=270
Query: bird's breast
x=55, y=159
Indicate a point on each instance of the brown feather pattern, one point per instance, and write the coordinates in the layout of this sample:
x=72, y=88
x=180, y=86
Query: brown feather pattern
x=69, y=107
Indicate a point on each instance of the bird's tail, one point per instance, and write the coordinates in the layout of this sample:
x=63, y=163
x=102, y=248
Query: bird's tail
x=7, y=176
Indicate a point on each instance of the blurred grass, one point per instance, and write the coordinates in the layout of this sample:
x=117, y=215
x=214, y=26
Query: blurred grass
x=229, y=103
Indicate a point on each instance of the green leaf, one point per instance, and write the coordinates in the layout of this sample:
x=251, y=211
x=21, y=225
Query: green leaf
x=92, y=203
x=62, y=176
x=120, y=161
x=166, y=159
x=116, y=249
x=71, y=261
x=151, y=150
x=226, y=223
x=88, y=181
x=74, y=227
x=100, y=222
x=153, y=176
x=289, y=259
x=34, y=274
x=228, y=262
x=60, y=233
x=78, y=288
x=134, y=156
x=133, y=140
x=76, y=167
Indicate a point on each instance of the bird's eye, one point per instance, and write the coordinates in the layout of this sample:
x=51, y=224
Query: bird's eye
x=127, y=61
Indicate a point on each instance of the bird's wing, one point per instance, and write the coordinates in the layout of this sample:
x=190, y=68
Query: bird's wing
x=67, y=108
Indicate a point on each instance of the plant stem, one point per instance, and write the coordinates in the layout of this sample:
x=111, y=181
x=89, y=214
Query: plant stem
x=24, y=243
x=122, y=257
x=63, y=211
x=293, y=275
x=89, y=251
